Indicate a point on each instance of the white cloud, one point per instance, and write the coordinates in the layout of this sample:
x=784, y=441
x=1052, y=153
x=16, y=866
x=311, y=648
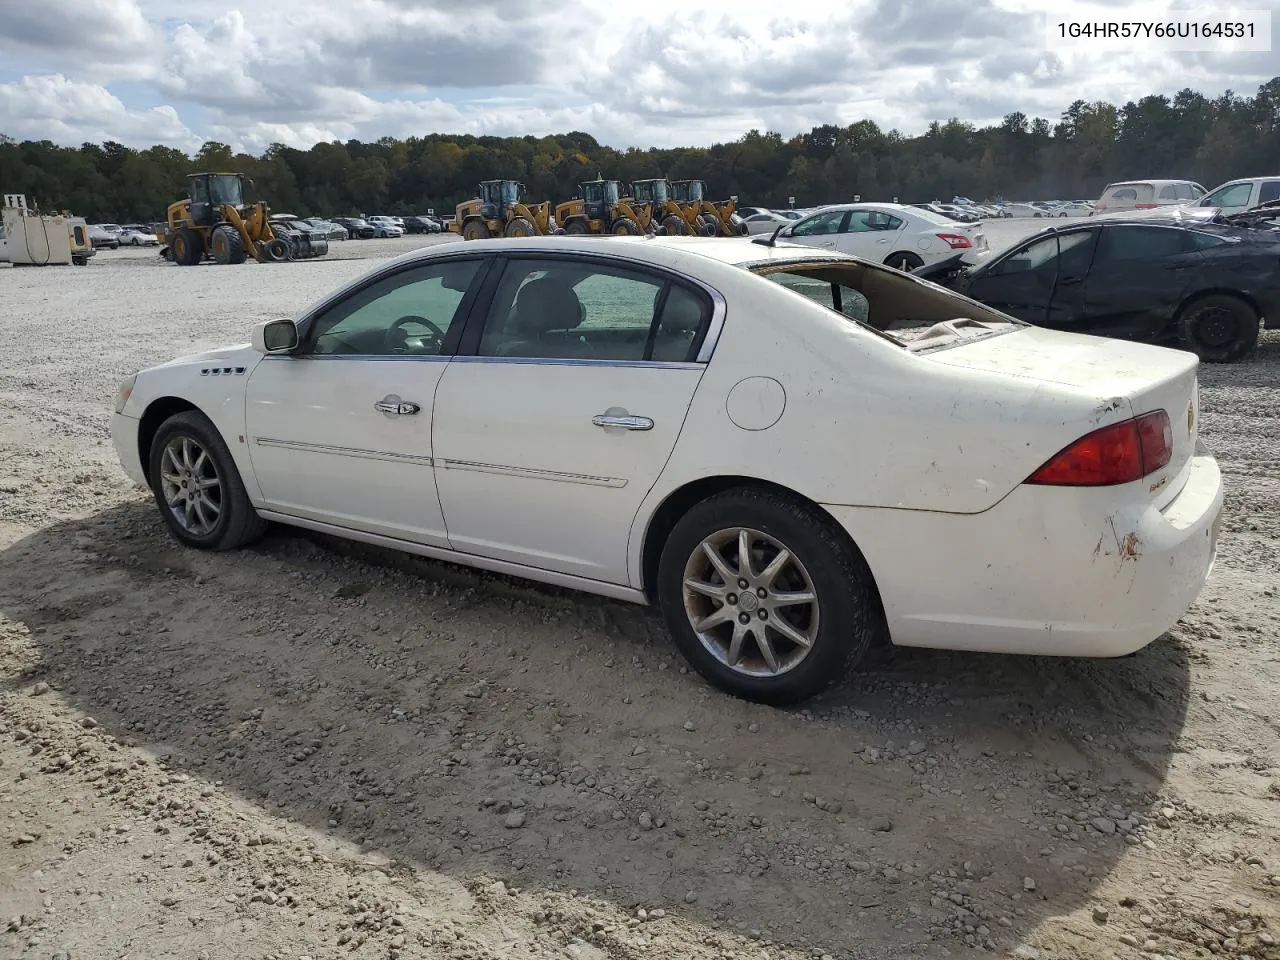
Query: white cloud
x=665, y=73
x=52, y=107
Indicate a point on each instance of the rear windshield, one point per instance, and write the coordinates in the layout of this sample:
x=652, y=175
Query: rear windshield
x=1133, y=192
x=881, y=299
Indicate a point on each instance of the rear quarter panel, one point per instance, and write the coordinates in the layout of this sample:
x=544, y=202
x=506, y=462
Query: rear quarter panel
x=861, y=421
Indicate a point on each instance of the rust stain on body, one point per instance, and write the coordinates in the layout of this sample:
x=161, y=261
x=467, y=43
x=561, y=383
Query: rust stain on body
x=1128, y=547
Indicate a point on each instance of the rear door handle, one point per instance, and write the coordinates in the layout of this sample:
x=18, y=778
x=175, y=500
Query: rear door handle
x=627, y=422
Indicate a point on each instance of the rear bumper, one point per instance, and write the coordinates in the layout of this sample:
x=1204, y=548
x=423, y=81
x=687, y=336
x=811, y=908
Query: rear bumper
x=1047, y=571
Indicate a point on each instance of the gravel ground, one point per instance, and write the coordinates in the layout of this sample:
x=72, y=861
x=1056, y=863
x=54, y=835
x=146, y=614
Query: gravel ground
x=311, y=749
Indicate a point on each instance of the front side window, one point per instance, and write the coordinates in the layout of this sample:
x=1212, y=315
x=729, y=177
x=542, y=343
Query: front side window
x=820, y=225
x=1234, y=195
x=1034, y=256
x=1126, y=243
x=578, y=310
x=414, y=312
x=200, y=190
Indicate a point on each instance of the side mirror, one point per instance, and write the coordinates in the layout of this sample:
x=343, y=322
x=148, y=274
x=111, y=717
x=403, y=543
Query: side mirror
x=275, y=336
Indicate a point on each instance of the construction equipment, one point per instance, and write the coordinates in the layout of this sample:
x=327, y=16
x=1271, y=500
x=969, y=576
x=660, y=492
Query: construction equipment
x=600, y=207
x=31, y=238
x=707, y=217
x=668, y=216
x=215, y=223
x=501, y=210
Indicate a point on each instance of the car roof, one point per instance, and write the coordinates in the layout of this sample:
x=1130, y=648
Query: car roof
x=668, y=251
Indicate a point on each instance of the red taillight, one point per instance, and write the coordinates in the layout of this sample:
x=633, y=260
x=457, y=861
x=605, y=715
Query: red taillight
x=1120, y=453
x=1146, y=206
x=955, y=240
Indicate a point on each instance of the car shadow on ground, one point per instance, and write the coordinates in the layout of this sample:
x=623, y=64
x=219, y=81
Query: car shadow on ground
x=476, y=725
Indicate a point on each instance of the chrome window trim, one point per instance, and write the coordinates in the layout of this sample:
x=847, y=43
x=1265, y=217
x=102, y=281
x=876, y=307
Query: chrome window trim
x=586, y=362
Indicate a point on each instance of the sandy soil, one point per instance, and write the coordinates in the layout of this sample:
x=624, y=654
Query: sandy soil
x=310, y=749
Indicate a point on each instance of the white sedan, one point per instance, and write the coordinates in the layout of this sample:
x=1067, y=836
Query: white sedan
x=138, y=238
x=892, y=233
x=703, y=424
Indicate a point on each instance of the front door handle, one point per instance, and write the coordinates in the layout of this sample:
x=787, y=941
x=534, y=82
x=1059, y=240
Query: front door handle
x=395, y=407
x=626, y=422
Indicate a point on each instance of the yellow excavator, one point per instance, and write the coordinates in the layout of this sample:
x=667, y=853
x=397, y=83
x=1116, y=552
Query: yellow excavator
x=214, y=222
x=501, y=210
x=667, y=216
x=706, y=217
x=600, y=207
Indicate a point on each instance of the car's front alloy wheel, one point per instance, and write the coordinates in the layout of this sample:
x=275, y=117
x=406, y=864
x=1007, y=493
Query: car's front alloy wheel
x=766, y=596
x=197, y=487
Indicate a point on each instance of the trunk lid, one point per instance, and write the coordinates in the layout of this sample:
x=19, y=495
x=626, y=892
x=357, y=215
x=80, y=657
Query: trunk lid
x=1123, y=378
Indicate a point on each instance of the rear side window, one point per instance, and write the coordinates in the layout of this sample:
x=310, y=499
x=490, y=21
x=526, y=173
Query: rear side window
x=1269, y=191
x=1186, y=191
x=1169, y=193
x=1126, y=243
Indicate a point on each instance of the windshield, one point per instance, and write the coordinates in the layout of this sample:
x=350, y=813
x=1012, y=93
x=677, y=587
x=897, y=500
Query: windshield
x=226, y=190
x=660, y=191
x=695, y=190
x=611, y=193
x=510, y=192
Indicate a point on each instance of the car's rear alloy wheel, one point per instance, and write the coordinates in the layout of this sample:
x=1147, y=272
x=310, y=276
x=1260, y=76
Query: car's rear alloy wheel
x=751, y=602
x=1220, y=328
x=766, y=597
x=197, y=486
x=904, y=261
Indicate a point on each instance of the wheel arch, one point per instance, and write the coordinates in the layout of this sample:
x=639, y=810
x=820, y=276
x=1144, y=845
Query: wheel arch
x=1191, y=300
x=680, y=500
x=158, y=411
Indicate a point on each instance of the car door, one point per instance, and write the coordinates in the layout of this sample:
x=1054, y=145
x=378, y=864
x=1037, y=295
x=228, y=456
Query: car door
x=340, y=430
x=1066, y=310
x=872, y=234
x=1138, y=276
x=1232, y=198
x=562, y=408
x=820, y=230
x=1021, y=283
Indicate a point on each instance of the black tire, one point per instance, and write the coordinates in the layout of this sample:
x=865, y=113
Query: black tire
x=277, y=250
x=625, y=227
x=577, y=227
x=708, y=226
x=1219, y=328
x=903, y=260
x=850, y=617
x=227, y=245
x=188, y=248
x=80, y=261
x=520, y=227
x=475, y=230
x=673, y=226
x=237, y=522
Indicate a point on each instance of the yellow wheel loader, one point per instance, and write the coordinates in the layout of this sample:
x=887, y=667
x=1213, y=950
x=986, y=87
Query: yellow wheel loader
x=600, y=207
x=706, y=217
x=500, y=210
x=668, y=216
x=215, y=223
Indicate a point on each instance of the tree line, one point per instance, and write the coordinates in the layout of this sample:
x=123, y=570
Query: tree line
x=1188, y=136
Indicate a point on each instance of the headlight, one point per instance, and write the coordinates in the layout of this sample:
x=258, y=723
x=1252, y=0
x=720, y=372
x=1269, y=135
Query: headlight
x=123, y=392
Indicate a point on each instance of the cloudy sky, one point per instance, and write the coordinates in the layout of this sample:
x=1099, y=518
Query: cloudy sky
x=654, y=72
